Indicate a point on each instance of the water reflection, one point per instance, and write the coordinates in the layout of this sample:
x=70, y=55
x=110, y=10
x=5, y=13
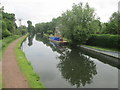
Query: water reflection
x=30, y=39
x=76, y=68
x=54, y=47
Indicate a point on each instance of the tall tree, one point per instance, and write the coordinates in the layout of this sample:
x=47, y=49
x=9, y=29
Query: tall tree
x=77, y=24
x=30, y=27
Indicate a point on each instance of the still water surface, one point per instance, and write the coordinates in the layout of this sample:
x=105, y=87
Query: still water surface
x=63, y=67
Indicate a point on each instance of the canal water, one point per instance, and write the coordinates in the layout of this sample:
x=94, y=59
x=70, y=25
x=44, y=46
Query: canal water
x=69, y=67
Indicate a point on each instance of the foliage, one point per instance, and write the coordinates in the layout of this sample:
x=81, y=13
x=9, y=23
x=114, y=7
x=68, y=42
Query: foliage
x=4, y=43
x=30, y=27
x=49, y=32
x=104, y=40
x=77, y=24
x=26, y=68
x=48, y=27
x=44, y=27
x=76, y=68
x=9, y=16
x=8, y=40
x=41, y=27
x=18, y=32
x=22, y=30
x=9, y=19
x=5, y=32
x=9, y=27
x=113, y=26
x=8, y=24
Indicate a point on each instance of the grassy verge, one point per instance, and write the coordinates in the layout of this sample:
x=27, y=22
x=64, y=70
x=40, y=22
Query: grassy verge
x=3, y=44
x=26, y=68
x=103, y=49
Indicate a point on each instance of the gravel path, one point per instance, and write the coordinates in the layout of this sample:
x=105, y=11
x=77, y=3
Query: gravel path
x=12, y=76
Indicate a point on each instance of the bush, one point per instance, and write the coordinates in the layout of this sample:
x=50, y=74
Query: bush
x=23, y=31
x=104, y=40
x=18, y=32
x=7, y=40
x=50, y=32
x=5, y=33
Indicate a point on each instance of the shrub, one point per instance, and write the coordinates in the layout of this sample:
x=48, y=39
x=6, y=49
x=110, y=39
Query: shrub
x=5, y=33
x=23, y=31
x=104, y=40
x=18, y=32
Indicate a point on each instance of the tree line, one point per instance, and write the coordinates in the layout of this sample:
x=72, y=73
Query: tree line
x=79, y=23
x=8, y=26
x=76, y=25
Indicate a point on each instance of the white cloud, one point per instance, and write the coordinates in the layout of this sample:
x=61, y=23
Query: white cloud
x=45, y=10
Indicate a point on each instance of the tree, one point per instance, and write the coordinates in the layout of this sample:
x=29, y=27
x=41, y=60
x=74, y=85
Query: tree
x=113, y=26
x=77, y=24
x=22, y=30
x=9, y=19
x=5, y=32
x=30, y=27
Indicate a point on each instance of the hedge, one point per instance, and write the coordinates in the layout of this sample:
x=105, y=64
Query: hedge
x=104, y=40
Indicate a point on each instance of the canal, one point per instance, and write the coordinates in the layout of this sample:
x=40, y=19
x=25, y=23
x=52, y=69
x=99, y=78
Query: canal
x=69, y=67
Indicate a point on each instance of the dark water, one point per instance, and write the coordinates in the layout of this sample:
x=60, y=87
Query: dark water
x=63, y=67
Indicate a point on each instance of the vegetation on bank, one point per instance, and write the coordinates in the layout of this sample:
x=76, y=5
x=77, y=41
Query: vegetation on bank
x=26, y=68
x=5, y=42
x=103, y=49
x=8, y=26
x=104, y=40
x=77, y=25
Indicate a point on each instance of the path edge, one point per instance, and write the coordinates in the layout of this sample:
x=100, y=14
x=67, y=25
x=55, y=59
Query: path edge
x=33, y=82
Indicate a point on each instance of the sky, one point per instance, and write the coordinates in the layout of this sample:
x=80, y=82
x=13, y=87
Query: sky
x=45, y=10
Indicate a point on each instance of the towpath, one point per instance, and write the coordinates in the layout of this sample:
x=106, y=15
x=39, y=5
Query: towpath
x=12, y=76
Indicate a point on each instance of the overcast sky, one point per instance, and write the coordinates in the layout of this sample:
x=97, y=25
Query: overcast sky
x=44, y=10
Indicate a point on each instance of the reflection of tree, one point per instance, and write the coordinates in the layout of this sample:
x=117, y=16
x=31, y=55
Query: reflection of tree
x=30, y=39
x=76, y=68
x=40, y=37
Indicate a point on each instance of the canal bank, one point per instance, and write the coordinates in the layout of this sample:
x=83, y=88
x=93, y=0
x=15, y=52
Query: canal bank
x=3, y=45
x=102, y=57
x=108, y=53
x=12, y=76
x=26, y=68
x=14, y=67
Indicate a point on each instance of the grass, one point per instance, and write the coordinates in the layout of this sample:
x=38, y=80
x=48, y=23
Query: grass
x=5, y=42
x=103, y=49
x=26, y=68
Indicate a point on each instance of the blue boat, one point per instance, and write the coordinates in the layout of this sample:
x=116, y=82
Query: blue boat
x=55, y=38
